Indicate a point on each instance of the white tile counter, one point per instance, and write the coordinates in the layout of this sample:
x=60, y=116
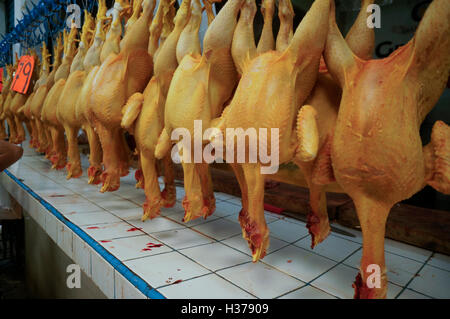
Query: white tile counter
x=165, y=258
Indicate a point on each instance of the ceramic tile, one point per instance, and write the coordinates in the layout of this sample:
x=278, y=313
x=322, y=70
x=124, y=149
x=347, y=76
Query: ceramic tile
x=92, y=218
x=75, y=198
x=235, y=200
x=333, y=247
x=299, y=263
x=346, y=233
x=57, y=190
x=177, y=209
x=219, y=229
x=180, y=216
x=127, y=191
x=58, y=199
x=249, y=277
x=287, y=231
x=440, y=261
x=182, y=238
x=134, y=247
x=405, y=250
x=165, y=269
x=180, y=193
x=206, y=287
x=338, y=282
x=110, y=231
x=40, y=214
x=138, y=199
x=433, y=282
x=85, y=189
x=410, y=294
x=158, y=224
x=130, y=214
x=270, y=218
x=239, y=243
x=235, y=218
x=308, y=292
x=97, y=197
x=400, y=270
x=86, y=207
x=82, y=254
x=124, y=289
x=215, y=256
x=223, y=196
x=35, y=209
x=117, y=205
x=51, y=226
x=226, y=209
x=103, y=275
x=65, y=239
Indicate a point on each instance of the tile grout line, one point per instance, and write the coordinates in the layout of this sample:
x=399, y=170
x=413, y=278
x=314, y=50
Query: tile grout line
x=414, y=276
x=292, y=243
x=66, y=222
x=219, y=241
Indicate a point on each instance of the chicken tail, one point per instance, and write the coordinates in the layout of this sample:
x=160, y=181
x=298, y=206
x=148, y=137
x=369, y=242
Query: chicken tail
x=131, y=110
x=307, y=134
x=163, y=146
x=437, y=157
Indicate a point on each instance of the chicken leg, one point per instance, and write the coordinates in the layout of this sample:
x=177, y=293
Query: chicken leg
x=377, y=153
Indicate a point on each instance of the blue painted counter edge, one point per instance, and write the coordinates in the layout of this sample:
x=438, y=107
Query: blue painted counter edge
x=137, y=281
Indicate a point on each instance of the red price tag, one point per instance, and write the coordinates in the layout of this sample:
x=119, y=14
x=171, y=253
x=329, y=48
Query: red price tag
x=24, y=71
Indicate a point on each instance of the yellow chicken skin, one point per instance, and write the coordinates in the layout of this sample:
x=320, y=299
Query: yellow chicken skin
x=267, y=42
x=49, y=118
x=45, y=82
x=114, y=35
x=325, y=99
x=200, y=87
x=92, y=62
x=3, y=97
x=6, y=112
x=66, y=107
x=19, y=101
x=154, y=47
x=285, y=33
x=117, y=79
x=273, y=87
x=25, y=110
x=144, y=113
x=376, y=151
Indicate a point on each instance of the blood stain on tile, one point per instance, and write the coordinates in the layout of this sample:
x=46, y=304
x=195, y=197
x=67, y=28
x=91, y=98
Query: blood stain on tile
x=146, y=249
x=56, y=195
x=105, y=241
x=177, y=282
x=134, y=229
x=152, y=245
x=93, y=227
